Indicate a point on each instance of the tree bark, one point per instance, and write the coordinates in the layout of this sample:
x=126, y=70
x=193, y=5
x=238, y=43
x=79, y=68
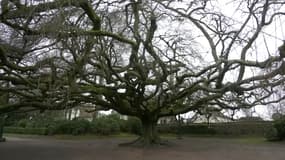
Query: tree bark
x=149, y=132
x=2, y=119
x=149, y=136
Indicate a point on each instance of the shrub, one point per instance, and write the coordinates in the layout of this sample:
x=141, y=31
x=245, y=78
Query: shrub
x=80, y=127
x=60, y=127
x=257, y=128
x=74, y=127
x=105, y=126
x=21, y=130
x=197, y=129
x=33, y=123
x=279, y=125
x=272, y=134
x=22, y=123
x=132, y=125
x=186, y=129
x=277, y=131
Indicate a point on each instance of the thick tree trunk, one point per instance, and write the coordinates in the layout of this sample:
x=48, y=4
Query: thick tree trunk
x=149, y=132
x=149, y=136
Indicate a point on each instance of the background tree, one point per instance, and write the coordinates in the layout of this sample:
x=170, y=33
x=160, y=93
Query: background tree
x=143, y=58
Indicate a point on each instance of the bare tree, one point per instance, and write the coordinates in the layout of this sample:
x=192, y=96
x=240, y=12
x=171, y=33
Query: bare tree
x=142, y=58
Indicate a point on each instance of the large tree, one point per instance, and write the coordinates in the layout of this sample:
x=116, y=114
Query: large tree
x=143, y=58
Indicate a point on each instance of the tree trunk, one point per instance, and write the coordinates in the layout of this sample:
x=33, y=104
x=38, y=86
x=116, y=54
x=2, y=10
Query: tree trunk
x=149, y=132
x=149, y=136
x=2, y=119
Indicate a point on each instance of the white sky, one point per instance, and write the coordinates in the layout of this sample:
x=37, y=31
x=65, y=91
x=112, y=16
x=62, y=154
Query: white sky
x=267, y=43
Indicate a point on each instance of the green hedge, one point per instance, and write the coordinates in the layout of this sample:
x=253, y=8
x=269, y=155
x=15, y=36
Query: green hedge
x=21, y=130
x=258, y=128
x=232, y=128
x=186, y=129
x=279, y=125
x=112, y=124
x=132, y=125
x=74, y=127
x=196, y=129
x=105, y=125
x=277, y=131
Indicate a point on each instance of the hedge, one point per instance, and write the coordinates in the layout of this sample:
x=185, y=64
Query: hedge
x=258, y=128
x=186, y=129
x=113, y=124
x=105, y=125
x=232, y=128
x=277, y=130
x=74, y=127
x=21, y=130
x=279, y=125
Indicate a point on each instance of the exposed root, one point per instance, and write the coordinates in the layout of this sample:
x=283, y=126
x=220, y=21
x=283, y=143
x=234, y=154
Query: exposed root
x=141, y=142
x=130, y=143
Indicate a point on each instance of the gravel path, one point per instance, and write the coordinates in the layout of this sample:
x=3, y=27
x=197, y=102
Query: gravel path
x=108, y=149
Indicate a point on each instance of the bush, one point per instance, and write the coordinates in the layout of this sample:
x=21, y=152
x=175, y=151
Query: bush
x=112, y=124
x=132, y=125
x=256, y=128
x=74, y=127
x=33, y=123
x=80, y=127
x=277, y=131
x=202, y=129
x=272, y=134
x=197, y=129
x=105, y=125
x=21, y=130
x=22, y=123
x=279, y=125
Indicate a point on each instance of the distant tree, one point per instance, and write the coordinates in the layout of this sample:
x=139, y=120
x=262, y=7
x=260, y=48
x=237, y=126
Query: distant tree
x=143, y=58
x=250, y=119
x=276, y=116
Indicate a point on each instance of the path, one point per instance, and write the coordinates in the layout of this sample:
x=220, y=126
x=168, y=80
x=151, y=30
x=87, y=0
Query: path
x=108, y=149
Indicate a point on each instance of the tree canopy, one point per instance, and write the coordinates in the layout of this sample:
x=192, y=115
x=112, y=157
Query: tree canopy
x=144, y=58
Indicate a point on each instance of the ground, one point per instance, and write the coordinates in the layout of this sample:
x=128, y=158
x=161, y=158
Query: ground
x=188, y=148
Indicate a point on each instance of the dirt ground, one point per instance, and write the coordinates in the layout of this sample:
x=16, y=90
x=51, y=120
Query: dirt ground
x=191, y=148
